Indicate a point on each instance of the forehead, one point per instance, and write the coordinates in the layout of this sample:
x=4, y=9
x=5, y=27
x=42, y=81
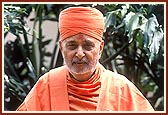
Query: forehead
x=80, y=38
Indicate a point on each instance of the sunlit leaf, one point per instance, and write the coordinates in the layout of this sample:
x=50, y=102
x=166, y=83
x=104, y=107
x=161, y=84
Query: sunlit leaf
x=110, y=19
x=134, y=21
x=153, y=36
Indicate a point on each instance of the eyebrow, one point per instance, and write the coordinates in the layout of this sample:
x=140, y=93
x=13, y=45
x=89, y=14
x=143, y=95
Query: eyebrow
x=86, y=41
x=71, y=42
x=89, y=42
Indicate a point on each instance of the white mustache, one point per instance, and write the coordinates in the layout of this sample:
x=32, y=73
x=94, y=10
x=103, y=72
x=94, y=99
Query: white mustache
x=77, y=61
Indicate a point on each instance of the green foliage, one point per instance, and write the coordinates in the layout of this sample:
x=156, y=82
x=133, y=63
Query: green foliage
x=24, y=61
x=133, y=46
x=13, y=19
x=16, y=67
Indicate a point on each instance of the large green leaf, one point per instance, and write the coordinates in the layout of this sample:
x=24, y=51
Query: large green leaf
x=110, y=19
x=153, y=36
x=134, y=21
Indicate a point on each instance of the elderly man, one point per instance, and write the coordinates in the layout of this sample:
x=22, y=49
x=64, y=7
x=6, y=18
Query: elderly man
x=83, y=84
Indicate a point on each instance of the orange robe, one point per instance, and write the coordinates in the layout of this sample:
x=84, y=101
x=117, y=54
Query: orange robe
x=109, y=92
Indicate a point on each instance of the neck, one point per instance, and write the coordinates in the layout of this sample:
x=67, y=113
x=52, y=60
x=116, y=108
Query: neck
x=81, y=77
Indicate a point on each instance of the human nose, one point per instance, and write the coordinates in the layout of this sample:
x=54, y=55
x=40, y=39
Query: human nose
x=80, y=53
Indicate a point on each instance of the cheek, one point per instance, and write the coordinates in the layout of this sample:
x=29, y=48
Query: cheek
x=67, y=55
x=93, y=55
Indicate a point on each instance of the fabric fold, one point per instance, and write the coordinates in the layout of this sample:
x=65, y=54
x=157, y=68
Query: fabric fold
x=84, y=20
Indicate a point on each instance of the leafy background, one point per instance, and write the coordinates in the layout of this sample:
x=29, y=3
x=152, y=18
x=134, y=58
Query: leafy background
x=134, y=47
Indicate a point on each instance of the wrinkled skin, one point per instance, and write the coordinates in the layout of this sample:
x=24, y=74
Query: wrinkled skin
x=81, y=54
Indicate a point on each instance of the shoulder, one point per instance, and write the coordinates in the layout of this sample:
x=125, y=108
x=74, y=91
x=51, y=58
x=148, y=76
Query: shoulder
x=118, y=87
x=57, y=70
x=46, y=81
x=119, y=82
x=49, y=78
x=115, y=78
x=53, y=73
x=111, y=78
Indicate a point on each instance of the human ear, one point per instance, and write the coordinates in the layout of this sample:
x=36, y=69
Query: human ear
x=101, y=47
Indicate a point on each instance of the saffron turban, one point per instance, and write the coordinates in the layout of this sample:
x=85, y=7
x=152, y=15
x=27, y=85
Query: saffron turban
x=84, y=20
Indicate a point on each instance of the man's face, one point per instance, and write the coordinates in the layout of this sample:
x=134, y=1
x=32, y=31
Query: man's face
x=81, y=53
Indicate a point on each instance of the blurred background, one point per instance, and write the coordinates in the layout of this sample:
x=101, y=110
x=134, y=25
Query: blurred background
x=134, y=47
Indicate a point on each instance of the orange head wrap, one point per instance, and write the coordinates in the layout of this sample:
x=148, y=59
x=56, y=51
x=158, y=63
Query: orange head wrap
x=84, y=20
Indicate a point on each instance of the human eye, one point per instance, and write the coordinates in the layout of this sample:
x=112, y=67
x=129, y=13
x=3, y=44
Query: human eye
x=88, y=46
x=71, y=45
